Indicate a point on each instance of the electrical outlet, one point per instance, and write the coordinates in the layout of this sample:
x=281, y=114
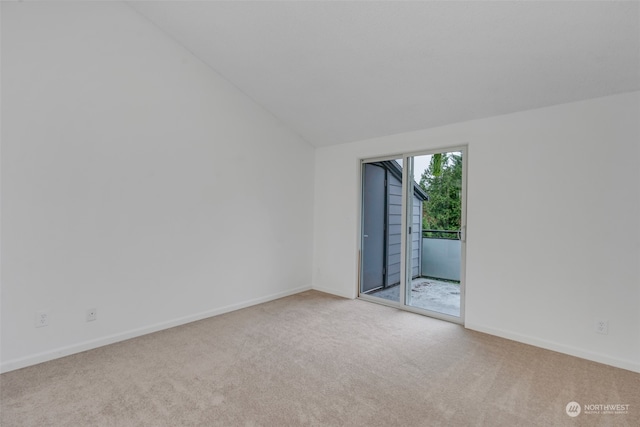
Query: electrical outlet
x=42, y=318
x=602, y=326
x=92, y=314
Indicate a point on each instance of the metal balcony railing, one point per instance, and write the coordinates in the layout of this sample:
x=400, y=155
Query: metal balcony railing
x=441, y=234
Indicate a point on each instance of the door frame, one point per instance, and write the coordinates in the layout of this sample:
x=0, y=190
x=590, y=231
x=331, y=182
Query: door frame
x=362, y=163
x=406, y=193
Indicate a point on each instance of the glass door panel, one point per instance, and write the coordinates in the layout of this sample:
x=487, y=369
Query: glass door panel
x=381, y=229
x=435, y=206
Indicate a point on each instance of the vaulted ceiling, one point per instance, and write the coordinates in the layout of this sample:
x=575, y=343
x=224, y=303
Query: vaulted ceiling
x=336, y=72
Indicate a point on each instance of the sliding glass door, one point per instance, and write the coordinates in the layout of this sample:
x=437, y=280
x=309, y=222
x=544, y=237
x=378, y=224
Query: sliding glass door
x=413, y=232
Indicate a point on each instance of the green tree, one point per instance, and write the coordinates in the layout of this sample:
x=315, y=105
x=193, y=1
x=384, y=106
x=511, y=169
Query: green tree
x=442, y=181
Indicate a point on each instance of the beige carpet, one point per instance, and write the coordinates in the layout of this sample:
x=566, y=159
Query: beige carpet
x=315, y=359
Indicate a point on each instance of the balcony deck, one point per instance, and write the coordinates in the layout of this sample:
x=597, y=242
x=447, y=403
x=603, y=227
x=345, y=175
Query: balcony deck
x=429, y=294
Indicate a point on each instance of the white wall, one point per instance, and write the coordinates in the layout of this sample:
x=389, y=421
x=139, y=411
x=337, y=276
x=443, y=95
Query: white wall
x=136, y=181
x=553, y=229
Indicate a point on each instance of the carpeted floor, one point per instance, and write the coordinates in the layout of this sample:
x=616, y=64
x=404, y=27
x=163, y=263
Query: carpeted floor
x=315, y=359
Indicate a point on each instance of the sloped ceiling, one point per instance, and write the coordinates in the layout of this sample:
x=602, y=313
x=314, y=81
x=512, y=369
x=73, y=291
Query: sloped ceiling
x=343, y=71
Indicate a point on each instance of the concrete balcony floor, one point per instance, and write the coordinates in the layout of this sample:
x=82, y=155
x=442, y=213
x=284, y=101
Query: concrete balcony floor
x=429, y=294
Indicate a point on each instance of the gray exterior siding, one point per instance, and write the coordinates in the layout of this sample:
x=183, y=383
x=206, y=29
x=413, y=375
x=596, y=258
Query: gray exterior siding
x=394, y=231
x=394, y=212
x=416, y=237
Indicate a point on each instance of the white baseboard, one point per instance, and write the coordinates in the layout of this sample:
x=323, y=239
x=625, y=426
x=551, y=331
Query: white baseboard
x=334, y=292
x=560, y=348
x=57, y=353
